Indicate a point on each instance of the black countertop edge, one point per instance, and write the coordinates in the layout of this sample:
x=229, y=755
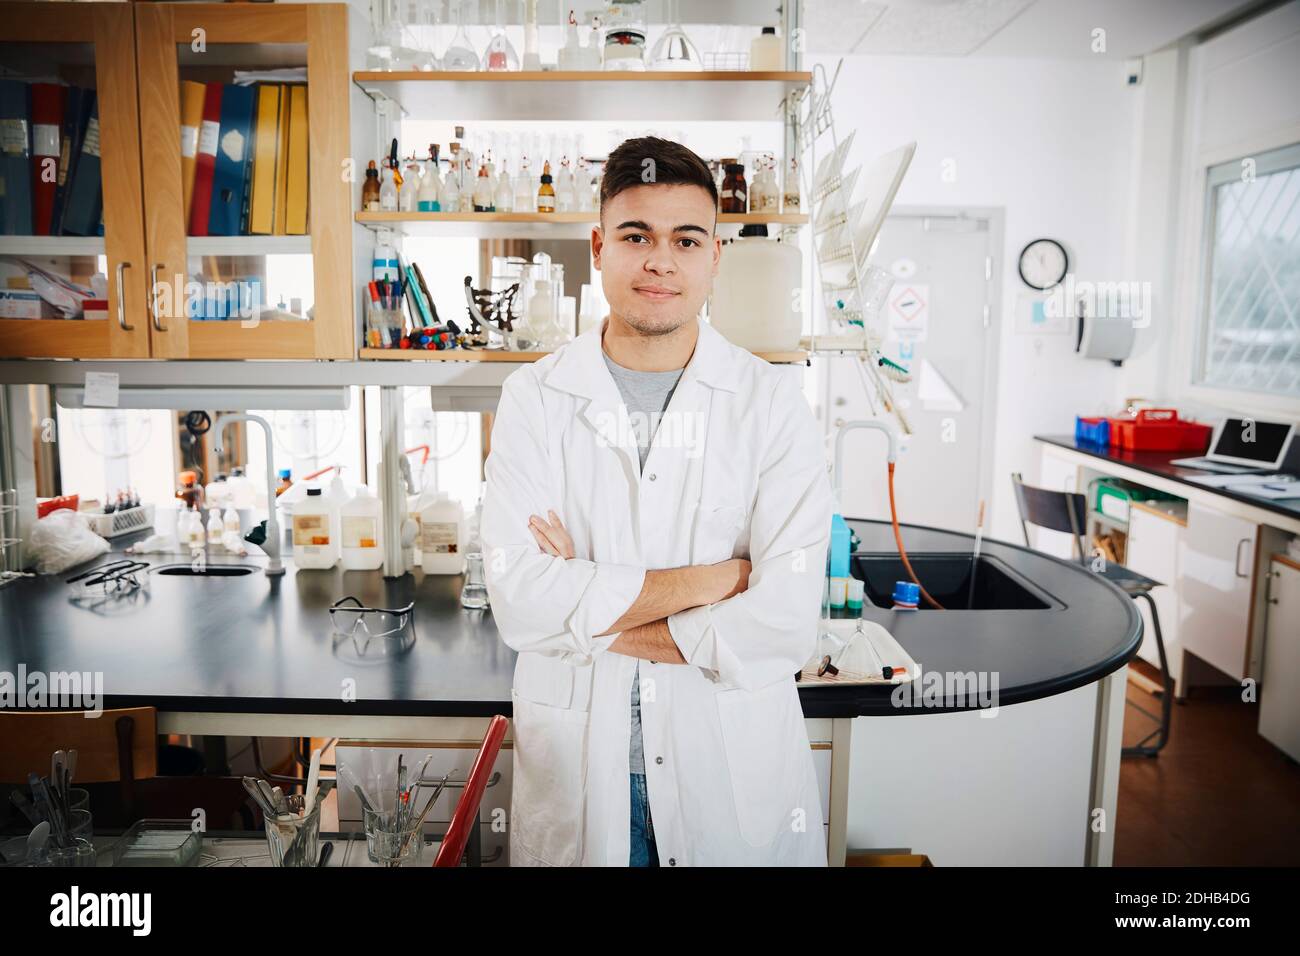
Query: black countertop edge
x=1157, y=463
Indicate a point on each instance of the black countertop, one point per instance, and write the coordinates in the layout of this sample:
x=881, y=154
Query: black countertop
x=254, y=644
x=1158, y=463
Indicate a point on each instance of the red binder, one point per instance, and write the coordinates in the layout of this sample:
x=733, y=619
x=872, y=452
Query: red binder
x=205, y=161
x=47, y=127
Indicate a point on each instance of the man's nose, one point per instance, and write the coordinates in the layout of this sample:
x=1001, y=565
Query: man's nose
x=660, y=261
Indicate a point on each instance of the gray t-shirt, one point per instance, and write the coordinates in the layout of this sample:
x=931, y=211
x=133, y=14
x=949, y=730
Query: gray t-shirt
x=646, y=395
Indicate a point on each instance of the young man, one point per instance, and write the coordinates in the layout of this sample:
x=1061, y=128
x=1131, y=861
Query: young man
x=634, y=476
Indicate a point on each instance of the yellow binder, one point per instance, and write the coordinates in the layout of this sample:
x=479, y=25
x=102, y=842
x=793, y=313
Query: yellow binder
x=296, y=218
x=191, y=119
x=282, y=165
x=266, y=130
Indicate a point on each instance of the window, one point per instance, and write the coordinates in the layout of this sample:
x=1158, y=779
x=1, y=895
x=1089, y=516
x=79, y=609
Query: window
x=1250, y=322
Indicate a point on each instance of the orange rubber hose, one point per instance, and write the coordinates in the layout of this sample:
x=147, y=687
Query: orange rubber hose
x=902, y=552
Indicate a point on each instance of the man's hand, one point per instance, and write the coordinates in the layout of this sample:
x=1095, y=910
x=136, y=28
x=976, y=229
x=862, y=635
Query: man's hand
x=551, y=535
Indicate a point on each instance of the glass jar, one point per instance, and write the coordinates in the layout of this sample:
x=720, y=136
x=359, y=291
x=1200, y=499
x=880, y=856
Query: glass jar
x=734, y=195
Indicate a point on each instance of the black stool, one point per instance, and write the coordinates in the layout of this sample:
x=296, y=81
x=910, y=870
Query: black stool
x=1066, y=511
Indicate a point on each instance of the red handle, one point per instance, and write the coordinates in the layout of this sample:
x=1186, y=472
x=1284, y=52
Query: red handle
x=1157, y=415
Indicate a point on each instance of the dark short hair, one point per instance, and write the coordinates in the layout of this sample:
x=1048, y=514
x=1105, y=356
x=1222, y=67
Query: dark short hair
x=649, y=160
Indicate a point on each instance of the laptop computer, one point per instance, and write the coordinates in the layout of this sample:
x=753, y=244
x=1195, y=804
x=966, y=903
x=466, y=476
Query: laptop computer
x=1241, y=446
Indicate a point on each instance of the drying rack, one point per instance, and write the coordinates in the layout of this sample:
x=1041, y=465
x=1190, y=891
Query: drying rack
x=838, y=245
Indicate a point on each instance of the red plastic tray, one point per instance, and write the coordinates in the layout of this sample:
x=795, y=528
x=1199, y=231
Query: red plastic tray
x=1159, y=429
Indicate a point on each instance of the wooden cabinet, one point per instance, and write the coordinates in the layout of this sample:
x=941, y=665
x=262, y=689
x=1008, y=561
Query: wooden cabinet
x=91, y=45
x=145, y=220
x=1279, y=699
x=1217, y=560
x=169, y=49
x=1154, y=546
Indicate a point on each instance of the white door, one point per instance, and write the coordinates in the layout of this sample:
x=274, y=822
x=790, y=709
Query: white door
x=1217, y=559
x=944, y=334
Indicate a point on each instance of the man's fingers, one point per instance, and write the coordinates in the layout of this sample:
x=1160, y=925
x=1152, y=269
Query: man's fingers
x=543, y=542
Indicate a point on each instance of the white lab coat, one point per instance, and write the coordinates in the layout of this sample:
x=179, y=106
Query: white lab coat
x=736, y=469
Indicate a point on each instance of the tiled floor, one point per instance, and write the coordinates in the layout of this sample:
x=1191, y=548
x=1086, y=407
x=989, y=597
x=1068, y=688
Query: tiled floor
x=1218, y=795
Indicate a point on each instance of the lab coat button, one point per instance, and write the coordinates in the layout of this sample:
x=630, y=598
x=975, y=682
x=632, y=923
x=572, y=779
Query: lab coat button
x=659, y=759
x=672, y=861
x=652, y=477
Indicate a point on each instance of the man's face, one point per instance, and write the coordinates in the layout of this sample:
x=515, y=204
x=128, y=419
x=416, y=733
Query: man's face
x=657, y=255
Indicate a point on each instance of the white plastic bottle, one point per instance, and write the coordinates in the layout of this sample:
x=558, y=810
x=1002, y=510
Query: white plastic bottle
x=450, y=196
x=313, y=519
x=426, y=199
x=230, y=520
x=215, y=527
x=504, y=194
x=193, y=535
x=441, y=530
x=360, y=522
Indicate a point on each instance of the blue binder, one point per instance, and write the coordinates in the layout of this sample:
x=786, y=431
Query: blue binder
x=234, y=154
x=83, y=205
x=15, y=159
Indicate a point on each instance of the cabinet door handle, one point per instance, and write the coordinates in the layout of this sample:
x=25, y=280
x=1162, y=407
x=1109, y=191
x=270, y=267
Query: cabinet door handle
x=121, y=298
x=153, y=296
x=1236, y=566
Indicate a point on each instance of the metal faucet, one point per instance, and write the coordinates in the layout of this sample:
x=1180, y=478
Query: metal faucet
x=272, y=545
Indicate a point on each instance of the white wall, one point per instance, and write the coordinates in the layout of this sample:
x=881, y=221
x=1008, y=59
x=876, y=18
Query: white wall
x=1236, y=96
x=1046, y=140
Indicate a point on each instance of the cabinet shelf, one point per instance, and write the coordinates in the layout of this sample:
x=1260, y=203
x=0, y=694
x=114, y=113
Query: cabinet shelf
x=527, y=224
x=593, y=94
x=51, y=246
x=247, y=245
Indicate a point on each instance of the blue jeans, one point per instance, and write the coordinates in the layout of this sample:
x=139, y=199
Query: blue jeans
x=643, y=834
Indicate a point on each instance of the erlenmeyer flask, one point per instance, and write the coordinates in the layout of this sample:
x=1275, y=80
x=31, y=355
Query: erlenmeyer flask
x=500, y=56
x=674, y=50
x=460, y=54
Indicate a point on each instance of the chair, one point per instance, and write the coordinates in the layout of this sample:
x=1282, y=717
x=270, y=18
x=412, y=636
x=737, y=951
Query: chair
x=464, y=822
x=1066, y=511
x=119, y=747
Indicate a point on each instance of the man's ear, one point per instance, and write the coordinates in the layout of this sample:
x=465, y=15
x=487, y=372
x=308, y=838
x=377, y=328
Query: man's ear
x=597, y=244
x=717, y=253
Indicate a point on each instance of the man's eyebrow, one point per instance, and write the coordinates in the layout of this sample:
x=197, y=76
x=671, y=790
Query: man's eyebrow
x=645, y=226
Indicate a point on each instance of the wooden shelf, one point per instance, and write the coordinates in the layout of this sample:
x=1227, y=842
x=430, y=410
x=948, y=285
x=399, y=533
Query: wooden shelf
x=594, y=95
x=524, y=225
x=501, y=355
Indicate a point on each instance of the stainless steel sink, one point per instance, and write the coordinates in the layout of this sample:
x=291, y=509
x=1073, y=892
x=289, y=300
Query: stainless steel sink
x=207, y=570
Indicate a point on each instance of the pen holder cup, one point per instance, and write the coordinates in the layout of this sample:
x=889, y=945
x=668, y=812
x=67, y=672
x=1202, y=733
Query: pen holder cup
x=294, y=839
x=384, y=328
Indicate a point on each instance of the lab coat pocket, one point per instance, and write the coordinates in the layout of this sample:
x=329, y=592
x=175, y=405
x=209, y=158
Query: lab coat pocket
x=550, y=781
x=760, y=746
x=717, y=528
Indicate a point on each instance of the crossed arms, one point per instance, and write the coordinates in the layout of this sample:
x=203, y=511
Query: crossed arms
x=643, y=628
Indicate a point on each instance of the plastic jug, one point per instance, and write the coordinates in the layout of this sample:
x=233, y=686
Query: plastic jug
x=360, y=523
x=441, y=531
x=314, y=543
x=753, y=301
